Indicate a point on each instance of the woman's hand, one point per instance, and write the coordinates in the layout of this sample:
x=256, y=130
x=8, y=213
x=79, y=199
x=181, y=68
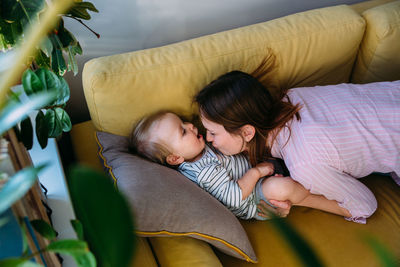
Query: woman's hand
x=282, y=210
x=265, y=168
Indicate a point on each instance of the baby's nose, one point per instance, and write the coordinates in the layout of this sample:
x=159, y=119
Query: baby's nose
x=190, y=126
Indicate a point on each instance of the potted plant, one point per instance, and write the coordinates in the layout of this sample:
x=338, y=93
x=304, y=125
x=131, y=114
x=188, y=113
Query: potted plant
x=34, y=42
x=45, y=70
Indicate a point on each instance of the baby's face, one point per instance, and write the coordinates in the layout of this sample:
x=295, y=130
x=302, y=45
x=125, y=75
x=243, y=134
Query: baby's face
x=181, y=138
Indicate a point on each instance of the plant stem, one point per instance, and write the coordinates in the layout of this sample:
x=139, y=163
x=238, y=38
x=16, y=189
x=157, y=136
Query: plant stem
x=80, y=21
x=24, y=9
x=35, y=253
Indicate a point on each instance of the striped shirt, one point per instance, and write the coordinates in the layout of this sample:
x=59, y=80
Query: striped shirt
x=346, y=131
x=218, y=175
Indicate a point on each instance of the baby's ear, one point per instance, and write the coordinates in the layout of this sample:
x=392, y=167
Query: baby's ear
x=248, y=131
x=174, y=159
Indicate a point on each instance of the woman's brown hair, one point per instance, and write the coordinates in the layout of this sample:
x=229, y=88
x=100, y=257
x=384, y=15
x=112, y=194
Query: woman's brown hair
x=236, y=99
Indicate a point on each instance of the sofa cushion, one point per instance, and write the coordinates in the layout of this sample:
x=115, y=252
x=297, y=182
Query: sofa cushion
x=315, y=47
x=336, y=241
x=379, y=57
x=165, y=203
x=183, y=252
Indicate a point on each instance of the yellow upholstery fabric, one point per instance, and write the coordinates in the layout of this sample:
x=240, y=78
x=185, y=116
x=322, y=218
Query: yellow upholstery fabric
x=337, y=242
x=143, y=255
x=85, y=145
x=314, y=47
x=362, y=6
x=183, y=252
x=381, y=45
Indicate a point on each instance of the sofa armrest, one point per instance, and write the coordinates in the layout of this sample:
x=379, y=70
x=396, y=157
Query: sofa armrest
x=378, y=58
x=84, y=145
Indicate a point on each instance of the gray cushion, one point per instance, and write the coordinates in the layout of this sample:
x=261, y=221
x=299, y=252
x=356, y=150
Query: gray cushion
x=166, y=203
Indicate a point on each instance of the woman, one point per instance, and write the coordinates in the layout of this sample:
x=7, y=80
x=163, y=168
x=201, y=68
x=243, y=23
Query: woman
x=327, y=136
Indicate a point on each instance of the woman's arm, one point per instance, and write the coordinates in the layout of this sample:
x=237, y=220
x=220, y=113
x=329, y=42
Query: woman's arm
x=332, y=183
x=285, y=188
x=322, y=203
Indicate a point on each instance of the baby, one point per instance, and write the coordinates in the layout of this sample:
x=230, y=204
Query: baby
x=164, y=138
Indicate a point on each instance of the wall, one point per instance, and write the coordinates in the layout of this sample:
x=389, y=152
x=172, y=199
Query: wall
x=132, y=25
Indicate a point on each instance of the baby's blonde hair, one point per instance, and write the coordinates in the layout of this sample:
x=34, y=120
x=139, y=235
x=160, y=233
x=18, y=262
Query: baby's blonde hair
x=139, y=140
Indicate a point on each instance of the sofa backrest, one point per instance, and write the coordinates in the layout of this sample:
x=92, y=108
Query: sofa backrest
x=379, y=55
x=315, y=47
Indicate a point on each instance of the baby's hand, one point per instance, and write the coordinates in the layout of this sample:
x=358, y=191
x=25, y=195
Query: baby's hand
x=282, y=208
x=265, y=168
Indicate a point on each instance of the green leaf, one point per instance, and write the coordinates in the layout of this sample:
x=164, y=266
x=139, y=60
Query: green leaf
x=6, y=34
x=78, y=228
x=52, y=82
x=45, y=229
x=66, y=38
x=42, y=60
x=46, y=46
x=11, y=32
x=17, y=30
x=63, y=92
x=12, y=262
x=85, y=260
x=49, y=80
x=88, y=5
x=41, y=129
x=56, y=41
x=298, y=244
x=31, y=82
x=53, y=124
x=12, y=10
x=24, y=234
x=72, y=65
x=64, y=119
x=98, y=205
x=14, y=112
x=68, y=246
x=58, y=62
x=18, y=262
x=77, y=249
x=79, y=10
x=76, y=49
x=387, y=258
x=26, y=133
x=17, y=186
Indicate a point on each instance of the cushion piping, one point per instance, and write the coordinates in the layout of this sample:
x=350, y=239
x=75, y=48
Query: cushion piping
x=237, y=250
x=100, y=153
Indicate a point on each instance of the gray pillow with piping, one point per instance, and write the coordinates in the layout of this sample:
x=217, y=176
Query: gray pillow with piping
x=166, y=203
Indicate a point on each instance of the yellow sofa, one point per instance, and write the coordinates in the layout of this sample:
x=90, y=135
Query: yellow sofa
x=339, y=44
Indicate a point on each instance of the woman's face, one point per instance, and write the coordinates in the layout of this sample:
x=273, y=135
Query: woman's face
x=227, y=143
